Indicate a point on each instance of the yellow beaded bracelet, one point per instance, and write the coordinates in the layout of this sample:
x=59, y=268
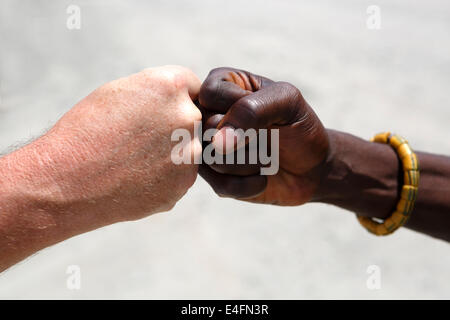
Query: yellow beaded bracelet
x=408, y=194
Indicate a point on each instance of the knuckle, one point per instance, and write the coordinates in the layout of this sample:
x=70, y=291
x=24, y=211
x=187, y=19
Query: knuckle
x=167, y=206
x=250, y=103
x=226, y=189
x=248, y=108
x=290, y=89
x=194, y=114
x=220, y=192
x=220, y=70
x=174, y=69
x=219, y=189
x=168, y=77
x=294, y=100
x=110, y=87
x=211, y=86
x=186, y=115
x=171, y=205
x=208, y=91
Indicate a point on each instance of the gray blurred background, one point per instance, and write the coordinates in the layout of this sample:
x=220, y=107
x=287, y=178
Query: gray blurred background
x=358, y=80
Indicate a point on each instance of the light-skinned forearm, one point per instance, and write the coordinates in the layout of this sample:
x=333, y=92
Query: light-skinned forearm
x=34, y=211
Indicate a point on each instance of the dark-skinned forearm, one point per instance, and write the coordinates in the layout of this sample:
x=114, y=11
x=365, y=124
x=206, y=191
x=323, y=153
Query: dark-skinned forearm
x=366, y=178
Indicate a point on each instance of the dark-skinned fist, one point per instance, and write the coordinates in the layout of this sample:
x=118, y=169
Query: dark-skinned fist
x=235, y=99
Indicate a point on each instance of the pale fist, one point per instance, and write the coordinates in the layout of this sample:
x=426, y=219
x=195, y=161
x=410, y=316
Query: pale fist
x=111, y=153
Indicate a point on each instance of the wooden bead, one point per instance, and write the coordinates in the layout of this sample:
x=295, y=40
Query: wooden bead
x=411, y=178
x=405, y=206
x=399, y=218
x=404, y=150
x=410, y=162
x=396, y=141
x=368, y=223
x=381, y=137
x=381, y=230
x=409, y=193
x=389, y=224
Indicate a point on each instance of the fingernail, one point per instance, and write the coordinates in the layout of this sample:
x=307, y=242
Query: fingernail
x=226, y=139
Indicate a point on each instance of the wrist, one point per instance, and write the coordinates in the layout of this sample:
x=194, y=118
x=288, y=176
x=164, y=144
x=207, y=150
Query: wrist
x=336, y=171
x=360, y=176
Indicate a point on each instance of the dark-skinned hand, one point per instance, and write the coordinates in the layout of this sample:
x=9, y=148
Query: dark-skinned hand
x=236, y=99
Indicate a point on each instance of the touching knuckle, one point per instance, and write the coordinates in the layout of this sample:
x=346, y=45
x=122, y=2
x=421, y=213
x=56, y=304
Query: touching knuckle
x=208, y=91
x=196, y=114
x=186, y=115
